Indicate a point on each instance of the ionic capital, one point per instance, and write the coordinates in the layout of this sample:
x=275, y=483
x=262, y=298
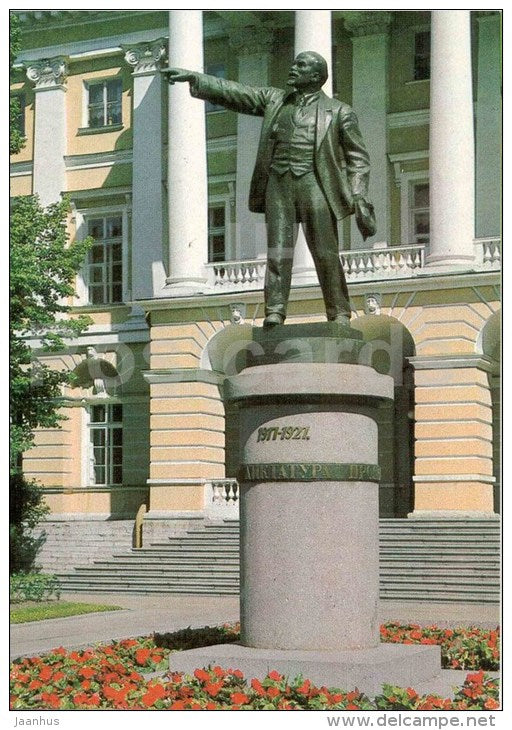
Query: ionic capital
x=145, y=57
x=48, y=73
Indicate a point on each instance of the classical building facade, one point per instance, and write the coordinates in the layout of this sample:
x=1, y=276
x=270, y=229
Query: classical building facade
x=174, y=279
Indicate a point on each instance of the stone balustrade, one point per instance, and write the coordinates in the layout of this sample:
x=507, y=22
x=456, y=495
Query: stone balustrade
x=363, y=265
x=488, y=254
x=221, y=495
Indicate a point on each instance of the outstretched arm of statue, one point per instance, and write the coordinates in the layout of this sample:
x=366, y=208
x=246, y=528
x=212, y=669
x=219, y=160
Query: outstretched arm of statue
x=230, y=94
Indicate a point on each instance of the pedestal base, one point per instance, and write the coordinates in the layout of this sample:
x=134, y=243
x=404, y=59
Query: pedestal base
x=364, y=669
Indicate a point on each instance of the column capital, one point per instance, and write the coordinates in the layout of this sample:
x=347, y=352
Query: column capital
x=367, y=22
x=251, y=39
x=48, y=73
x=145, y=57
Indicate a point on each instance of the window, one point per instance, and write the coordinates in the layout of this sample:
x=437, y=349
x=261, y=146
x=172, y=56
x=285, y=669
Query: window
x=19, y=119
x=217, y=233
x=106, y=444
x=218, y=70
x=105, y=264
x=422, y=55
x=104, y=103
x=419, y=213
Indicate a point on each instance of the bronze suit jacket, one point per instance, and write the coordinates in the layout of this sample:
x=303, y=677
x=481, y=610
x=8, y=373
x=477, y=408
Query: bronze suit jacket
x=341, y=161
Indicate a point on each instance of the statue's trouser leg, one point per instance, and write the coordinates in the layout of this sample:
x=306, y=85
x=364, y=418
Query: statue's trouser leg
x=321, y=234
x=282, y=230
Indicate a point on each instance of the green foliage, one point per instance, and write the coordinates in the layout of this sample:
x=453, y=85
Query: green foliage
x=42, y=273
x=33, y=587
x=26, y=510
x=192, y=638
x=54, y=609
x=43, y=269
x=16, y=140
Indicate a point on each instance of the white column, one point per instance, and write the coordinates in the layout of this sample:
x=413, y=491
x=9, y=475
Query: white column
x=148, y=273
x=369, y=100
x=253, y=46
x=312, y=33
x=488, y=127
x=49, y=175
x=187, y=178
x=452, y=158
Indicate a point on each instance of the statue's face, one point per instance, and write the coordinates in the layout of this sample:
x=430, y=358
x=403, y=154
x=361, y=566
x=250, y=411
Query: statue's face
x=304, y=72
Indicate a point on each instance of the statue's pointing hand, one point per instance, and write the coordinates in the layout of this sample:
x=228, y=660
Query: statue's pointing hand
x=178, y=74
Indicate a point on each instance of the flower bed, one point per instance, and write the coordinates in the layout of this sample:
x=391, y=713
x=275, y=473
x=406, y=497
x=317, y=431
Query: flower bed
x=461, y=648
x=112, y=677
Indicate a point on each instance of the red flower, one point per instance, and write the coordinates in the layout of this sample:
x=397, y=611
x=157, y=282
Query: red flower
x=353, y=695
x=87, y=672
x=237, y=673
x=201, y=675
x=257, y=687
x=45, y=673
x=304, y=688
x=219, y=672
x=273, y=692
x=491, y=704
x=177, y=705
x=35, y=684
x=351, y=706
x=51, y=699
x=142, y=655
x=154, y=693
x=275, y=676
x=213, y=688
x=239, y=698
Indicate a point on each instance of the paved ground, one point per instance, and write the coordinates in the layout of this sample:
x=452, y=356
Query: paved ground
x=142, y=615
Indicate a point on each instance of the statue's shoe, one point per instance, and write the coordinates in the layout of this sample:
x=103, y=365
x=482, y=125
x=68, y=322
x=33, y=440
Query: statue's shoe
x=271, y=320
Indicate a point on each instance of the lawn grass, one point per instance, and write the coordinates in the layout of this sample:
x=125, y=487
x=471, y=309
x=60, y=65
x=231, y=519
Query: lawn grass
x=38, y=610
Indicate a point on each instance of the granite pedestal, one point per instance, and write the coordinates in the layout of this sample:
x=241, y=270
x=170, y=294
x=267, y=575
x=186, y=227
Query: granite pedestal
x=309, y=479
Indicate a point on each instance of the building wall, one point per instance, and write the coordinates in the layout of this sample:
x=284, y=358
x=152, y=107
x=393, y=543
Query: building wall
x=178, y=436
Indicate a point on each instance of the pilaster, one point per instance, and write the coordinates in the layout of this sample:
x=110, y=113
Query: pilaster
x=148, y=272
x=369, y=100
x=49, y=170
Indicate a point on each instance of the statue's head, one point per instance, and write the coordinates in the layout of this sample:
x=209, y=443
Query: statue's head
x=308, y=72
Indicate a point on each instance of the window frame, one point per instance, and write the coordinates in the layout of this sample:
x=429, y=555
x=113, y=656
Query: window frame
x=82, y=218
x=108, y=426
x=87, y=84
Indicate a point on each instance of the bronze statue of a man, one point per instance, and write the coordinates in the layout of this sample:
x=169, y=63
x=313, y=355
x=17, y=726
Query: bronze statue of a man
x=312, y=168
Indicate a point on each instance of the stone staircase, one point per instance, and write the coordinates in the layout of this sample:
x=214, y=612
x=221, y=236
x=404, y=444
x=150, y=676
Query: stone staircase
x=427, y=560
